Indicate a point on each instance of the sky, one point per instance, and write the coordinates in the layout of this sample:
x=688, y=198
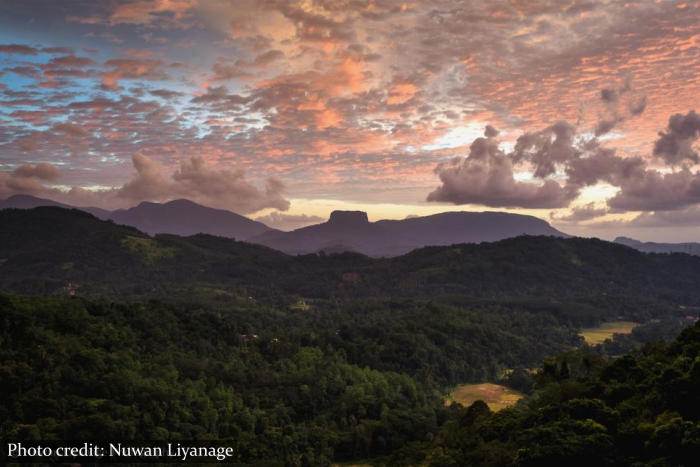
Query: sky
x=582, y=113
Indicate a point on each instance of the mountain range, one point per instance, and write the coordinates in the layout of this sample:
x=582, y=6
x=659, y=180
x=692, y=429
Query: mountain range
x=47, y=249
x=344, y=231
x=178, y=217
x=689, y=248
x=352, y=231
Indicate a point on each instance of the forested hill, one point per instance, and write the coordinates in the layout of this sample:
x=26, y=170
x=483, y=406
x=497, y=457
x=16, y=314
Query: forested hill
x=51, y=250
x=641, y=409
x=308, y=360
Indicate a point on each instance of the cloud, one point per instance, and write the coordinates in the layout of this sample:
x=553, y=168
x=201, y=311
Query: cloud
x=144, y=12
x=42, y=171
x=18, y=49
x=166, y=94
x=675, y=145
x=288, y=222
x=651, y=190
x=326, y=95
x=608, y=95
x=547, y=148
x=637, y=106
x=28, y=179
x=602, y=164
x=71, y=61
x=70, y=129
x=131, y=68
x=486, y=177
x=689, y=217
x=580, y=213
x=196, y=180
x=620, y=104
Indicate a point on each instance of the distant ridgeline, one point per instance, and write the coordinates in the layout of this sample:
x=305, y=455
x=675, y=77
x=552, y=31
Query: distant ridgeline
x=344, y=231
x=45, y=249
x=109, y=333
x=653, y=247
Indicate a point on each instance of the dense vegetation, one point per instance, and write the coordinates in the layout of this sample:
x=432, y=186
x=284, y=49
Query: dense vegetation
x=44, y=249
x=107, y=333
x=639, y=410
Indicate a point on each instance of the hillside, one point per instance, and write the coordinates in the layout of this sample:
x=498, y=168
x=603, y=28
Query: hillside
x=44, y=249
x=30, y=202
x=641, y=409
x=324, y=358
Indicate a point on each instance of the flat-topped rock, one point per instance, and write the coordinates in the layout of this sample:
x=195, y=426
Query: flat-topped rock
x=348, y=218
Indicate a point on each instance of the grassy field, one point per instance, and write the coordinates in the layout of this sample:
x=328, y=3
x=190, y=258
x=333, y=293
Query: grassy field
x=597, y=335
x=497, y=397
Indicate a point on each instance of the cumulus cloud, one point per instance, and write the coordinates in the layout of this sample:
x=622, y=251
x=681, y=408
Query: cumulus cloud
x=28, y=179
x=288, y=222
x=651, y=190
x=675, y=145
x=330, y=99
x=547, y=148
x=196, y=180
x=602, y=164
x=42, y=171
x=486, y=177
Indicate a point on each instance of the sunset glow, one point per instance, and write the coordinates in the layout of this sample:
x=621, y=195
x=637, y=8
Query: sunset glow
x=581, y=113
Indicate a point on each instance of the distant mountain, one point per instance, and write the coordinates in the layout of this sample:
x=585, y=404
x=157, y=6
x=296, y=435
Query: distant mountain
x=179, y=217
x=183, y=217
x=30, y=202
x=653, y=247
x=352, y=231
x=48, y=250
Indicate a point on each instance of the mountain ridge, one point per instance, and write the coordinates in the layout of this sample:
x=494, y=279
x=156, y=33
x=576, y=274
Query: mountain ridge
x=45, y=249
x=352, y=230
x=689, y=248
x=344, y=231
x=178, y=217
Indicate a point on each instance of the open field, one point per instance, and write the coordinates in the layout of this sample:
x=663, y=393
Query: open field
x=497, y=397
x=597, y=335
